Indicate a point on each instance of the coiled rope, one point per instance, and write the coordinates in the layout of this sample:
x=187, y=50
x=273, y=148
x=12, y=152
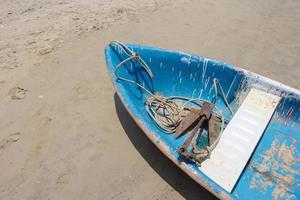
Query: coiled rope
x=168, y=112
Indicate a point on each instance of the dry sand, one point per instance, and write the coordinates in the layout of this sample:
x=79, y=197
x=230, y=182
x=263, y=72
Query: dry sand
x=64, y=133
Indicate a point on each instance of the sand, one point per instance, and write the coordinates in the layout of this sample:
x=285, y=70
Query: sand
x=65, y=134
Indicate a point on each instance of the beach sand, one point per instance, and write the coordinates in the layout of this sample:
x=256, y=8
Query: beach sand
x=64, y=132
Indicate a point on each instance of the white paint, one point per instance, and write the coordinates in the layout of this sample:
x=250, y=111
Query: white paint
x=186, y=60
x=204, y=67
x=210, y=90
x=200, y=95
x=231, y=85
x=240, y=138
x=206, y=82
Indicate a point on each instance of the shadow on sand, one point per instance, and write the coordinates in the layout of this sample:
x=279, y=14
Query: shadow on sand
x=165, y=168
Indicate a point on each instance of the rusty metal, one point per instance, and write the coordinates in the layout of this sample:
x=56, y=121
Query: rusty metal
x=199, y=136
x=204, y=115
x=214, y=129
x=183, y=149
x=193, y=116
x=206, y=110
x=188, y=121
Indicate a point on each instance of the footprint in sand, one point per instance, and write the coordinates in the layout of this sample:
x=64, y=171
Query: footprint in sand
x=9, y=140
x=63, y=179
x=17, y=93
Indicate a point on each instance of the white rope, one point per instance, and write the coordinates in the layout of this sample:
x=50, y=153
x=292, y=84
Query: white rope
x=216, y=84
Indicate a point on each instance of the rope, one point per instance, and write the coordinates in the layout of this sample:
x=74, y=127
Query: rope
x=216, y=84
x=168, y=112
x=131, y=56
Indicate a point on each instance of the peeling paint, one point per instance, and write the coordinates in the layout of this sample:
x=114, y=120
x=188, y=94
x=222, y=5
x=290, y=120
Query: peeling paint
x=277, y=170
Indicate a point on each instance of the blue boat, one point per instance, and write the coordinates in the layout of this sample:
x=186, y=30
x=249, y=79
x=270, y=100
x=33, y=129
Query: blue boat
x=257, y=152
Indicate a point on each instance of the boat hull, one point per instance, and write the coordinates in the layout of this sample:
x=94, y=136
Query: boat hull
x=273, y=169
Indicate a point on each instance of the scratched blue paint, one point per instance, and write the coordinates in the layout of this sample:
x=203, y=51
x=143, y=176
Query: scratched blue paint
x=177, y=73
